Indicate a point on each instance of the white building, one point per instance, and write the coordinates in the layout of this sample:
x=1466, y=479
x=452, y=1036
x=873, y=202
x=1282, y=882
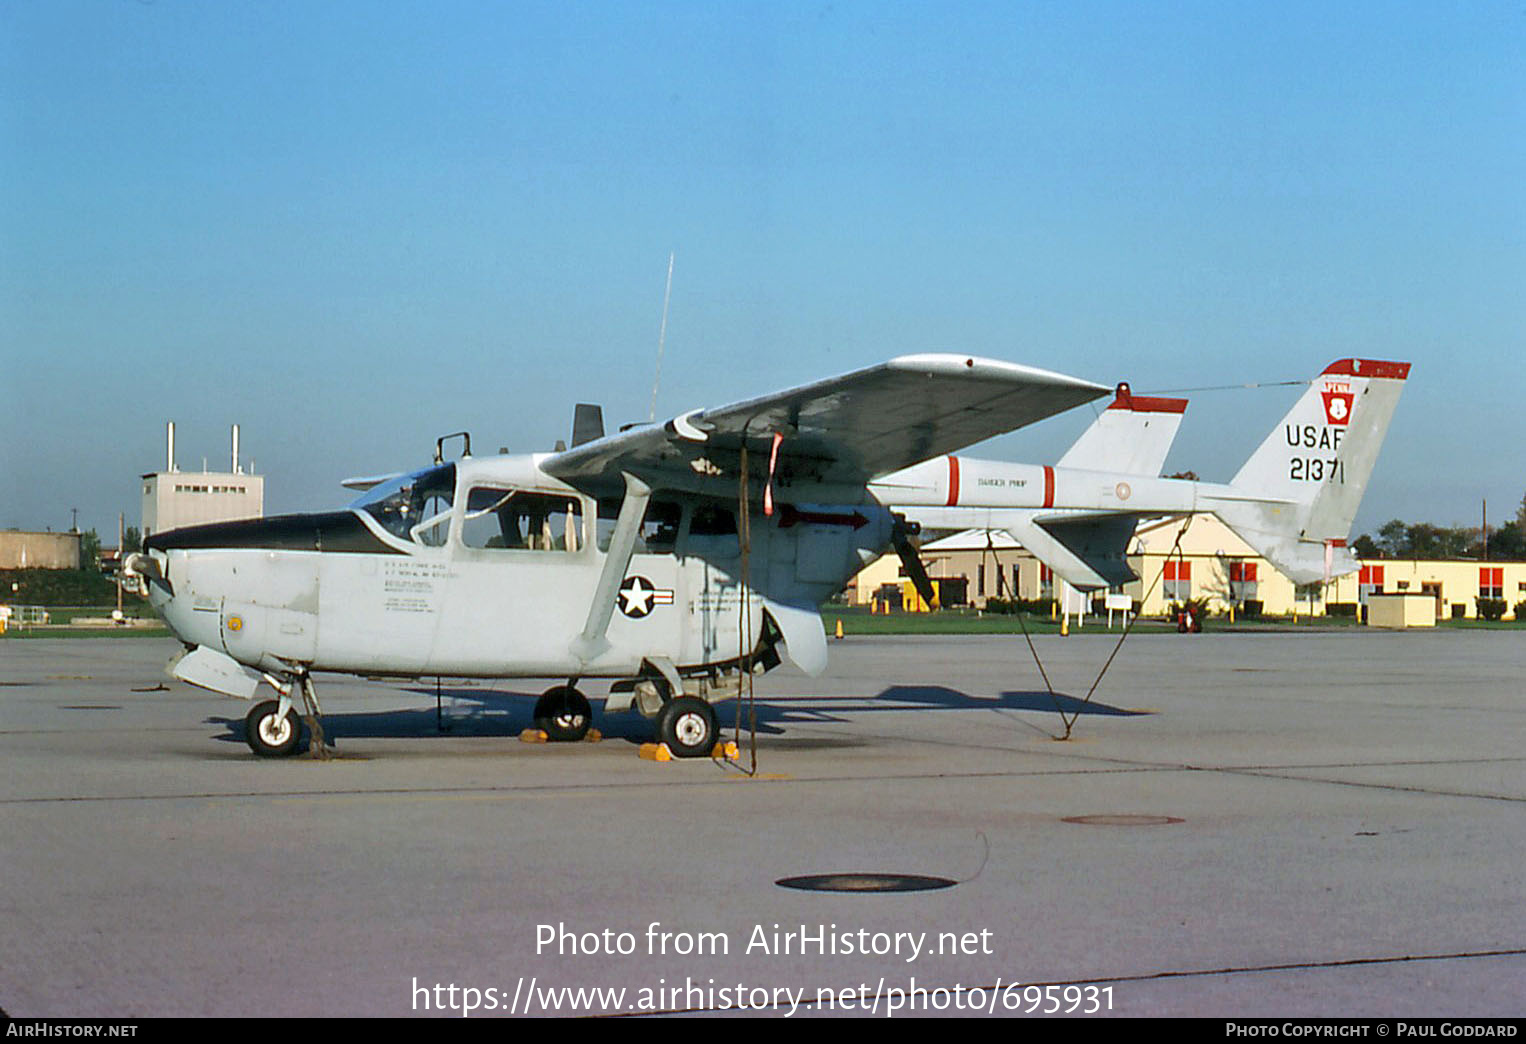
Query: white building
x=174, y=499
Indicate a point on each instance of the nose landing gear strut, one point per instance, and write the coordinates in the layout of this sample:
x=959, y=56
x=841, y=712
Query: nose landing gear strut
x=271, y=728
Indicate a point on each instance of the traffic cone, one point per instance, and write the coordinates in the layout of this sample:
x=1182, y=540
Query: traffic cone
x=839, y=628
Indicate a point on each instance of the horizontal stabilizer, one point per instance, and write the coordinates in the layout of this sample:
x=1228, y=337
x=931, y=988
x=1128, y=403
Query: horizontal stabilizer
x=1088, y=552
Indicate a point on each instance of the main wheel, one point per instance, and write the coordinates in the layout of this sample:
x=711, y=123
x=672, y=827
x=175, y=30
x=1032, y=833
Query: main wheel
x=270, y=735
x=563, y=714
x=687, y=725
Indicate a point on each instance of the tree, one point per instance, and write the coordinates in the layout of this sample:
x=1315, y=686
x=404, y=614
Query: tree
x=1393, y=538
x=1399, y=539
x=132, y=540
x=89, y=550
x=1508, y=542
x=1365, y=547
x=1427, y=540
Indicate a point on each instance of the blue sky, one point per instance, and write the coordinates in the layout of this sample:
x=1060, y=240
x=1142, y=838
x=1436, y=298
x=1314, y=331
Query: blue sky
x=352, y=227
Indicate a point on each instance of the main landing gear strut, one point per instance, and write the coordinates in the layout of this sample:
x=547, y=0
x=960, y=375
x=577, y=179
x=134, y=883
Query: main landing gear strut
x=685, y=723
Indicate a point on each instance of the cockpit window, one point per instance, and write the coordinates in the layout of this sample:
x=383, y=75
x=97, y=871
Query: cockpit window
x=522, y=520
x=713, y=531
x=414, y=507
x=659, y=528
x=712, y=520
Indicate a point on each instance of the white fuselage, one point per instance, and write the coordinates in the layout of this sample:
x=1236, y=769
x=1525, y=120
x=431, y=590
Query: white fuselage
x=434, y=597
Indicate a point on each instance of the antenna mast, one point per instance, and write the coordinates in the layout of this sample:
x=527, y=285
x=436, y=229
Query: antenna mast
x=662, y=337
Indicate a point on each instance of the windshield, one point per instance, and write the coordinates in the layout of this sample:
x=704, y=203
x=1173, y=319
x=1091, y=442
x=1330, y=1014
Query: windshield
x=414, y=507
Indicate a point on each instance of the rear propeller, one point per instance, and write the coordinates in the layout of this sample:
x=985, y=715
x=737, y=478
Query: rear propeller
x=911, y=563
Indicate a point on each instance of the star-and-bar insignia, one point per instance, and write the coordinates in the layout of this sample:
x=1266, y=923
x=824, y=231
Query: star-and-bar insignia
x=638, y=596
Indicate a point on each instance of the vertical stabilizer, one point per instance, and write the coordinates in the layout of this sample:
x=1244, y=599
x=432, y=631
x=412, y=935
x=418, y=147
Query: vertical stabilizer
x=1299, y=492
x=587, y=423
x=1132, y=435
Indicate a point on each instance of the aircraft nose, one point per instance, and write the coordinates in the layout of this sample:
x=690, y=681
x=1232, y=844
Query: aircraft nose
x=150, y=572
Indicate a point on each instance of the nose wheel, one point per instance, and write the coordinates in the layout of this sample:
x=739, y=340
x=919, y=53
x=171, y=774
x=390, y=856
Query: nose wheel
x=270, y=733
x=563, y=714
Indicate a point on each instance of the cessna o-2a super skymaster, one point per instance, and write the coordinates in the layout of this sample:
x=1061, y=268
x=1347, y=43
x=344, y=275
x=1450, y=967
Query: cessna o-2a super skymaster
x=627, y=557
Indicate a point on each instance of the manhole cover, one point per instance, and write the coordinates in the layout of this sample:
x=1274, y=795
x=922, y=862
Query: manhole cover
x=865, y=883
x=1123, y=820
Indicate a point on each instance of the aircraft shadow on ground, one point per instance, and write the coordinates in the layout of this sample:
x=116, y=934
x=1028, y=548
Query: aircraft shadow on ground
x=1036, y=700
x=491, y=712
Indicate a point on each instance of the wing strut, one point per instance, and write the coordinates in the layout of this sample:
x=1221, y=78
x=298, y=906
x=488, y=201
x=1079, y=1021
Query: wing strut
x=622, y=544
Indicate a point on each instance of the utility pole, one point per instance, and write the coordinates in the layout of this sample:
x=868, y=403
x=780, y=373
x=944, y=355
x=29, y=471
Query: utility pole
x=121, y=532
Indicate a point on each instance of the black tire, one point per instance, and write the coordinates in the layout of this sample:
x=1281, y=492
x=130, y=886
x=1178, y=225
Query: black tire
x=563, y=714
x=687, y=725
x=269, y=737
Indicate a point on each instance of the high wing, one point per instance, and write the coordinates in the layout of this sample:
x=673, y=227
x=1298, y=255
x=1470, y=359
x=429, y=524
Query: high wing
x=843, y=431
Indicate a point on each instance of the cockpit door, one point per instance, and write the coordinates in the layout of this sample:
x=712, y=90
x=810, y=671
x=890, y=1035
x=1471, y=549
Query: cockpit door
x=522, y=574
